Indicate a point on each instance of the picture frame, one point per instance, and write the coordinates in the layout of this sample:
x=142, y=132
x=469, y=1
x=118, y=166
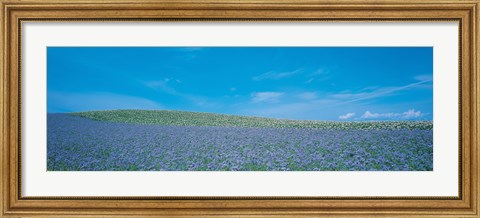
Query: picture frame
x=15, y=13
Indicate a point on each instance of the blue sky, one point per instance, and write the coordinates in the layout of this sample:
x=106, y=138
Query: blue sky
x=312, y=83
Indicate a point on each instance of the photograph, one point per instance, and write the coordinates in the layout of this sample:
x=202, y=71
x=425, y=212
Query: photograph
x=227, y=108
x=240, y=108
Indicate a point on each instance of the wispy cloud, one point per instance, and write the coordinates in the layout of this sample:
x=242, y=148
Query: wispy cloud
x=349, y=97
x=161, y=85
x=188, y=53
x=268, y=97
x=318, y=72
x=309, y=80
x=346, y=116
x=308, y=75
x=317, y=75
x=272, y=75
x=308, y=95
x=424, y=77
x=410, y=114
x=167, y=87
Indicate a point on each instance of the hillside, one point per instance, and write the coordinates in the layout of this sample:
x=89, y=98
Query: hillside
x=183, y=118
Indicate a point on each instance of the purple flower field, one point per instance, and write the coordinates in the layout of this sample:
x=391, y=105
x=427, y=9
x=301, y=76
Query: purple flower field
x=78, y=143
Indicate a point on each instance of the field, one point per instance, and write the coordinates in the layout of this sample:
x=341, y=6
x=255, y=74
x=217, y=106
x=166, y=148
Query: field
x=140, y=140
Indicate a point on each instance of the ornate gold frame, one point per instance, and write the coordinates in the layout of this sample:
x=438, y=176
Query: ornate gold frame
x=14, y=12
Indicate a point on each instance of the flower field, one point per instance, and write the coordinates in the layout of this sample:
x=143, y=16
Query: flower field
x=131, y=140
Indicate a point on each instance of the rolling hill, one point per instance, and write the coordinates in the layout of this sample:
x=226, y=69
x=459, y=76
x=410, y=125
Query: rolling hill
x=184, y=118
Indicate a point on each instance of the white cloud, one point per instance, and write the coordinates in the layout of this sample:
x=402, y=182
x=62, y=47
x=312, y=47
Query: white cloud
x=275, y=75
x=269, y=97
x=346, y=116
x=412, y=113
x=233, y=89
x=369, y=114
